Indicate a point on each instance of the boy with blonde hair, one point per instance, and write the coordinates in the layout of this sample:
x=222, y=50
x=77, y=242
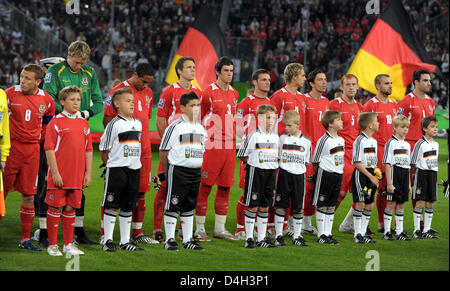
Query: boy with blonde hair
x=68, y=147
x=260, y=152
x=294, y=155
x=396, y=160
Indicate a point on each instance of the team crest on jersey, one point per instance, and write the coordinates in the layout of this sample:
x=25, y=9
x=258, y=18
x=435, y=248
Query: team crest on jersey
x=205, y=174
x=304, y=104
x=147, y=98
x=41, y=108
x=431, y=107
x=240, y=113
x=84, y=81
x=86, y=130
x=395, y=111
x=48, y=77
x=161, y=103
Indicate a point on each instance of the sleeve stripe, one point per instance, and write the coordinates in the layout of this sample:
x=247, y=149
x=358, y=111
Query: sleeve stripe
x=109, y=128
x=386, y=151
x=243, y=148
x=415, y=153
x=356, y=155
x=167, y=135
x=319, y=148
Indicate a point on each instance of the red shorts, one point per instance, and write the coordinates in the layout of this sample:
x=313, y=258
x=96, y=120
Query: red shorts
x=145, y=174
x=348, y=172
x=22, y=168
x=242, y=173
x=218, y=167
x=61, y=197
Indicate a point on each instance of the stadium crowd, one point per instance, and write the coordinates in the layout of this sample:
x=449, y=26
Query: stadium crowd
x=144, y=32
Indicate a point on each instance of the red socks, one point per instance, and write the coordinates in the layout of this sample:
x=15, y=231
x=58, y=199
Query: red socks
x=138, y=214
x=68, y=225
x=221, y=201
x=202, y=200
x=26, y=219
x=240, y=214
x=158, y=207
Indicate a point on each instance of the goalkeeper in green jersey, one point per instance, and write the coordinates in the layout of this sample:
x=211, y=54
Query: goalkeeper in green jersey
x=74, y=71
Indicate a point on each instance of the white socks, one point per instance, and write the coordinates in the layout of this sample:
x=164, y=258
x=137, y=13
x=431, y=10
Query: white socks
x=324, y=221
x=187, y=224
x=109, y=221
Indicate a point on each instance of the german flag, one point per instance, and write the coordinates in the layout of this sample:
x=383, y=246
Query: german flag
x=392, y=47
x=204, y=41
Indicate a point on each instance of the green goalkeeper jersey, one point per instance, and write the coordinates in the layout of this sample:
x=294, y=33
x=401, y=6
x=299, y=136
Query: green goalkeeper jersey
x=60, y=75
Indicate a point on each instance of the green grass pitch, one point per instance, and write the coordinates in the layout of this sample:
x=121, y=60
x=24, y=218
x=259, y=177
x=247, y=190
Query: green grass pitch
x=220, y=255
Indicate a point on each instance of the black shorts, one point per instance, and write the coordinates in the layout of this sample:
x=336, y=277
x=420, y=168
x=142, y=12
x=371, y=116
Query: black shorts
x=290, y=188
x=362, y=189
x=425, y=185
x=326, y=188
x=182, y=188
x=121, y=188
x=259, y=186
x=400, y=180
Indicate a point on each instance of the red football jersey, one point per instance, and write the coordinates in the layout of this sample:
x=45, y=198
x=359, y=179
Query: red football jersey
x=349, y=115
x=143, y=105
x=313, y=128
x=284, y=101
x=386, y=113
x=246, y=115
x=69, y=136
x=169, y=101
x=218, y=106
x=26, y=113
x=415, y=109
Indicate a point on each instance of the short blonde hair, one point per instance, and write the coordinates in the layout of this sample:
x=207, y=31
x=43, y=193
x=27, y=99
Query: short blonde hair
x=291, y=116
x=66, y=91
x=400, y=120
x=263, y=109
x=79, y=49
x=292, y=70
x=118, y=94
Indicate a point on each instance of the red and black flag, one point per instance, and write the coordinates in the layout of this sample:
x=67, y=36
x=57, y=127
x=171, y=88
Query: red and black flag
x=391, y=47
x=205, y=42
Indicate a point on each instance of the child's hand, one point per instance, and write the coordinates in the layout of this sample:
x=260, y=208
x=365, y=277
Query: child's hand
x=87, y=181
x=390, y=188
x=57, y=180
x=374, y=180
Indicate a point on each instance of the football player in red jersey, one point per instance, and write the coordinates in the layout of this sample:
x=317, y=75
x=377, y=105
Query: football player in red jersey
x=30, y=108
x=143, y=105
x=350, y=110
x=169, y=110
x=288, y=97
x=246, y=122
x=416, y=106
x=218, y=107
x=316, y=105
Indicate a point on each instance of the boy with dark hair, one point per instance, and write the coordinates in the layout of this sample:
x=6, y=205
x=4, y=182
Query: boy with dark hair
x=181, y=155
x=328, y=163
x=424, y=162
x=120, y=150
x=68, y=147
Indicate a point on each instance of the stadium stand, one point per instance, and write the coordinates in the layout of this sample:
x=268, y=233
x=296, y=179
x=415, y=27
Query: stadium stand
x=144, y=31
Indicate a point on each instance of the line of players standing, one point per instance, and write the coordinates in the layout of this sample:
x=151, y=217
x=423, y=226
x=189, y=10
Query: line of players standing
x=221, y=99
